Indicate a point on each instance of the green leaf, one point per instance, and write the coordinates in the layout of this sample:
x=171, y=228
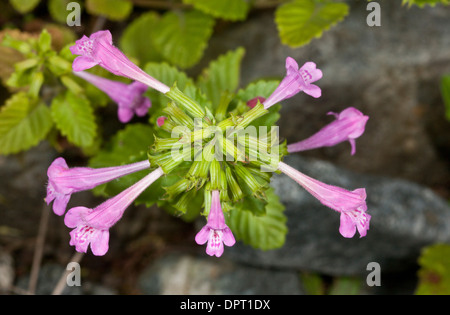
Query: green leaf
x=24, y=6
x=75, y=119
x=232, y=10
x=137, y=38
x=312, y=283
x=222, y=75
x=264, y=89
x=115, y=10
x=181, y=37
x=445, y=91
x=345, y=286
x=434, y=273
x=128, y=146
x=58, y=9
x=168, y=75
x=422, y=3
x=299, y=21
x=262, y=232
x=23, y=123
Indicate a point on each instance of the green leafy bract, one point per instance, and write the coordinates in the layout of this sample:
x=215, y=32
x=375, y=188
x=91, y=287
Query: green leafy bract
x=300, y=21
x=24, y=6
x=233, y=10
x=181, y=37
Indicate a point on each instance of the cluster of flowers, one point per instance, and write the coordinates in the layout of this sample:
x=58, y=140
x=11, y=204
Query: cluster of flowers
x=91, y=226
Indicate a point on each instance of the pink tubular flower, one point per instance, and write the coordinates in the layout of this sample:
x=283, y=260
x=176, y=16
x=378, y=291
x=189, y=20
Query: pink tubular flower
x=296, y=80
x=91, y=226
x=129, y=97
x=252, y=103
x=349, y=125
x=215, y=232
x=98, y=49
x=64, y=181
x=351, y=204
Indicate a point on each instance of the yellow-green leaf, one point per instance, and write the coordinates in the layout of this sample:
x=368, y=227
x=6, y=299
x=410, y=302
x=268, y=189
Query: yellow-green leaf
x=222, y=75
x=24, y=6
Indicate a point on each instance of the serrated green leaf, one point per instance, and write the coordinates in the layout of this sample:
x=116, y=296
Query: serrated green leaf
x=115, y=10
x=23, y=123
x=128, y=146
x=58, y=9
x=137, y=38
x=74, y=117
x=434, y=273
x=299, y=21
x=232, y=10
x=168, y=75
x=24, y=6
x=181, y=37
x=262, y=232
x=422, y=3
x=36, y=84
x=222, y=75
x=445, y=92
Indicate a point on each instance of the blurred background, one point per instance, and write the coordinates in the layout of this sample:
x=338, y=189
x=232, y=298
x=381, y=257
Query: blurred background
x=394, y=73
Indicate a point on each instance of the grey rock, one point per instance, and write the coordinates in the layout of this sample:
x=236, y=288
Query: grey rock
x=184, y=274
x=49, y=276
x=405, y=218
